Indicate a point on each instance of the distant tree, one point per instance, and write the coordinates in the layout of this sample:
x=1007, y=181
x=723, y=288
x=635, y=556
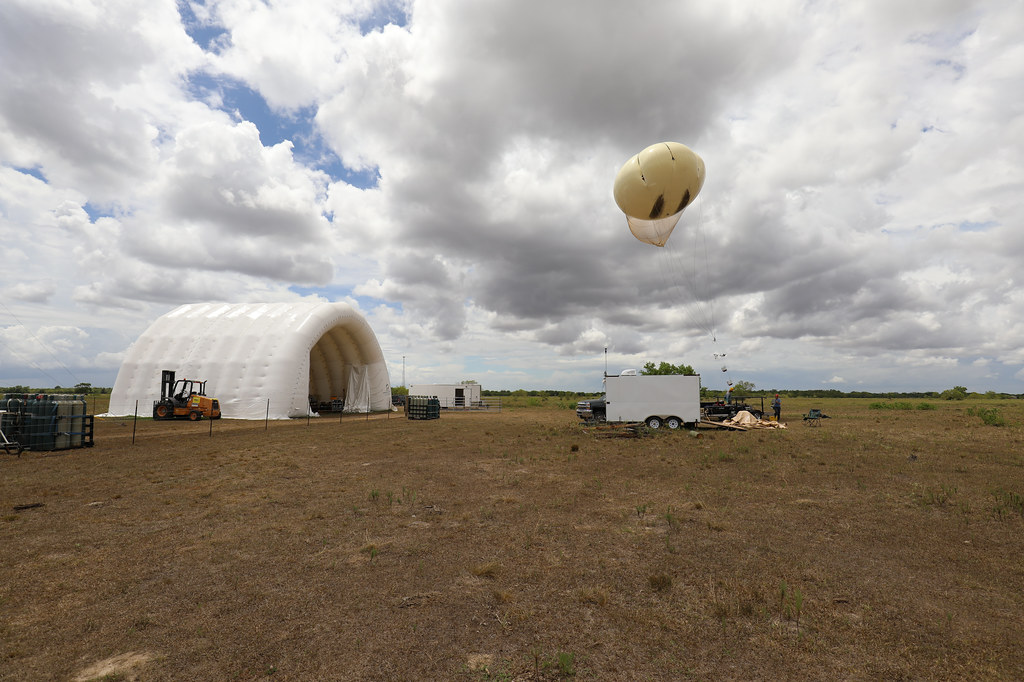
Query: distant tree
x=399, y=390
x=955, y=393
x=83, y=387
x=744, y=387
x=469, y=381
x=667, y=368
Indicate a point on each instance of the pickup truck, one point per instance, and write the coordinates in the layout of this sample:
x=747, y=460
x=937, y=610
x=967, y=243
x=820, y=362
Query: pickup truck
x=592, y=410
x=717, y=410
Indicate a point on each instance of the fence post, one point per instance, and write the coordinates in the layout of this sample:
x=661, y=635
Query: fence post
x=266, y=423
x=136, y=422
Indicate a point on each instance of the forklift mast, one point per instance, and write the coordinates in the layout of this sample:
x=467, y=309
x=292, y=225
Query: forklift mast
x=166, y=384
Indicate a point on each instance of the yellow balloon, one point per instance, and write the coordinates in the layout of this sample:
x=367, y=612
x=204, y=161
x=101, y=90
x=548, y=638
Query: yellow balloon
x=655, y=186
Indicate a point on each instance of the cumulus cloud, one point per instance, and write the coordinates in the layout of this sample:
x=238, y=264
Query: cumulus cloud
x=33, y=292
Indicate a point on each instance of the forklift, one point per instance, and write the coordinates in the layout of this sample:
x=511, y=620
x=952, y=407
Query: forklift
x=184, y=399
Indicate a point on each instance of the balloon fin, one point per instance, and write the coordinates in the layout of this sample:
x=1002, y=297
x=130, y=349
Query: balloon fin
x=654, y=232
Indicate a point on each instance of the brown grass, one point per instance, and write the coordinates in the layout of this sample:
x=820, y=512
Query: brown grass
x=885, y=544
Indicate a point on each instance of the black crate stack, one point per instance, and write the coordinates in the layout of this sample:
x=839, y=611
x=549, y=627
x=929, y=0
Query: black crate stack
x=423, y=407
x=46, y=421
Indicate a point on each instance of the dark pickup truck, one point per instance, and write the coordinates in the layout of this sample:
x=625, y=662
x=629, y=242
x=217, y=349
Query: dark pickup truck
x=592, y=410
x=718, y=411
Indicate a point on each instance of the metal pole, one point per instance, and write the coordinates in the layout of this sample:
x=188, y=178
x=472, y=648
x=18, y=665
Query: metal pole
x=266, y=423
x=211, y=427
x=136, y=422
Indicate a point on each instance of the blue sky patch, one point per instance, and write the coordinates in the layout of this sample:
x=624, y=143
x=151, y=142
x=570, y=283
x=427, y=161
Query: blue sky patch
x=244, y=103
x=969, y=226
x=298, y=126
x=331, y=293
x=36, y=173
x=384, y=14
x=336, y=293
x=207, y=36
x=95, y=212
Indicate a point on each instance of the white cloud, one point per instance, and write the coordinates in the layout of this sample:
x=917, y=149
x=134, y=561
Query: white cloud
x=860, y=219
x=39, y=291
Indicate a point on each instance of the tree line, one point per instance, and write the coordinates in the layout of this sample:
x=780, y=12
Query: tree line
x=948, y=394
x=81, y=388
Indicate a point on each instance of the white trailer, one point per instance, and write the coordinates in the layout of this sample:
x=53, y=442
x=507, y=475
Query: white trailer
x=660, y=399
x=450, y=395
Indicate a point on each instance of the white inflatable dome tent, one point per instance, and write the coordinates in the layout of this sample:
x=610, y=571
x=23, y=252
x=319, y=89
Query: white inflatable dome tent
x=252, y=353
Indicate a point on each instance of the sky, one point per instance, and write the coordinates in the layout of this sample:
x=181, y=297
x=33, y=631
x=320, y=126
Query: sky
x=446, y=167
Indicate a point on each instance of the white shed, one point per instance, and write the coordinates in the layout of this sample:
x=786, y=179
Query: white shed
x=449, y=395
x=259, y=357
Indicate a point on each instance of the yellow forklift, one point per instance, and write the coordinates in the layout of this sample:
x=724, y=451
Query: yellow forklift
x=184, y=399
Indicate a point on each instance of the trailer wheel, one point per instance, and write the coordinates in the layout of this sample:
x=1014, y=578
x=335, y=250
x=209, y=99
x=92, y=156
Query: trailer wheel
x=673, y=423
x=654, y=422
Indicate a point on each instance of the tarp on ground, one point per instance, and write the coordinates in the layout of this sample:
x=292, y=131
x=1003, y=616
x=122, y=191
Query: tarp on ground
x=749, y=421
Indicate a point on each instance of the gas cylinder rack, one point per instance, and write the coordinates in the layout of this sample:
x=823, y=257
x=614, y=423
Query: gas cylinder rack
x=46, y=421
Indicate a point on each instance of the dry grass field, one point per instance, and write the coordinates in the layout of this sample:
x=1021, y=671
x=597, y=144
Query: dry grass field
x=884, y=544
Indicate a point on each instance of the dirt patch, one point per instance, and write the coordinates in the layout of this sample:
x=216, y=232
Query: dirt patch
x=518, y=546
x=127, y=666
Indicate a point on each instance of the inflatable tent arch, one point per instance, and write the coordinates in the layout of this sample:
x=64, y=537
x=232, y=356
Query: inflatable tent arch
x=253, y=353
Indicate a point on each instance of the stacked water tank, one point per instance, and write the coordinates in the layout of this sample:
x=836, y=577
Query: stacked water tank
x=46, y=421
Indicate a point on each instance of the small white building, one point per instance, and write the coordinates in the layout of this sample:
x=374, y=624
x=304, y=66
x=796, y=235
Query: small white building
x=449, y=395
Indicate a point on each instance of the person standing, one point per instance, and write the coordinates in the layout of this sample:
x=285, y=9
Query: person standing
x=777, y=407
